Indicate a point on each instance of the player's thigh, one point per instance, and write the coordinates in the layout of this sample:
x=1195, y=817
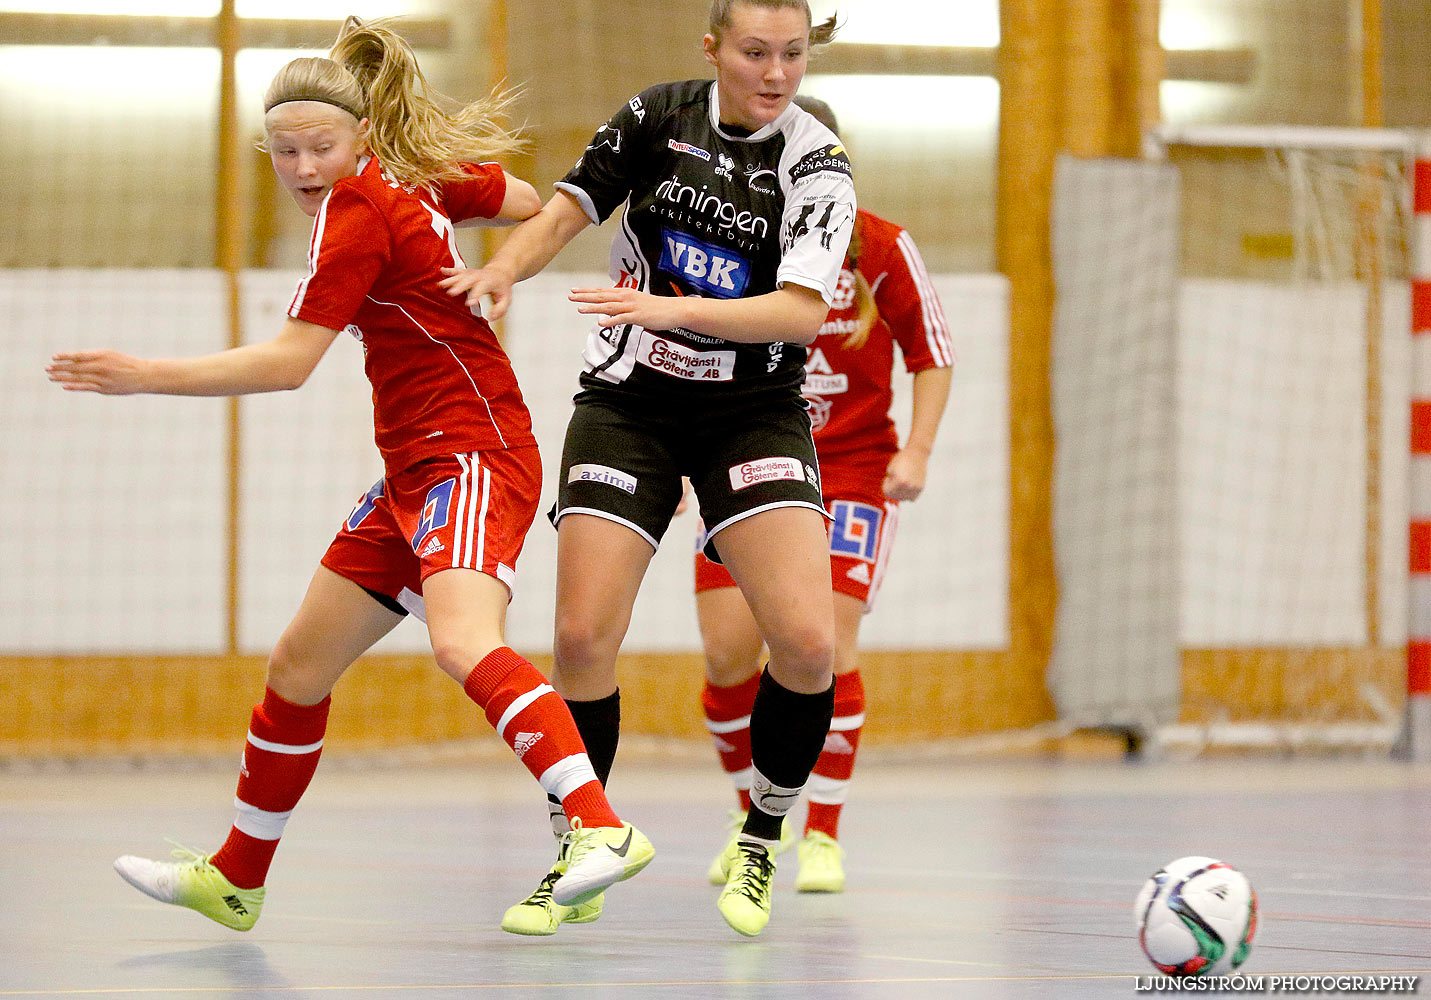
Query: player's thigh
x=617, y=464
x=779, y=558
x=466, y=617
x=600, y=566
x=745, y=460
x=849, y=613
x=729, y=636
x=336, y=623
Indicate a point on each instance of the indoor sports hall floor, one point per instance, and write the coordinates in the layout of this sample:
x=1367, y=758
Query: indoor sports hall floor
x=966, y=879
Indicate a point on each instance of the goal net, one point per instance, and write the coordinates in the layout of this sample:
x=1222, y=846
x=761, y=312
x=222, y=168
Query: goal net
x=1231, y=398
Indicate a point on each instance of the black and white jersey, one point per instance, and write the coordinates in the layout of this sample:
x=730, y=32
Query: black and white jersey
x=710, y=213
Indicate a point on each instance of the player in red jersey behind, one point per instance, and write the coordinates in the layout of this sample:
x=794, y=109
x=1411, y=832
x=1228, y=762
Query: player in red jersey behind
x=884, y=298
x=368, y=151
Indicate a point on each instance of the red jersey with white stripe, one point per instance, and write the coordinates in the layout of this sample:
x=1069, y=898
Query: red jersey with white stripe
x=442, y=385
x=849, y=389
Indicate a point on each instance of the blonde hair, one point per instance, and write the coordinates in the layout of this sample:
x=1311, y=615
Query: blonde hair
x=820, y=34
x=866, y=312
x=418, y=134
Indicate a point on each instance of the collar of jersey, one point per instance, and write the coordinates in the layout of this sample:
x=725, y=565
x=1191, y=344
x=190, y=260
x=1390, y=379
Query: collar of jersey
x=765, y=132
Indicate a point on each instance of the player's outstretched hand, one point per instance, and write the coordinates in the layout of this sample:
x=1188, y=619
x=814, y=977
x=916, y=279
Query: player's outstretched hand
x=474, y=282
x=906, y=475
x=616, y=306
x=107, y=372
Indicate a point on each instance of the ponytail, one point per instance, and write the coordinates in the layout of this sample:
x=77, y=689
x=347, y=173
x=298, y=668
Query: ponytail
x=418, y=134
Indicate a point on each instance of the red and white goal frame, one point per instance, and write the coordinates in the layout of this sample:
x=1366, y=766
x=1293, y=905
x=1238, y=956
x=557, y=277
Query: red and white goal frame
x=1413, y=148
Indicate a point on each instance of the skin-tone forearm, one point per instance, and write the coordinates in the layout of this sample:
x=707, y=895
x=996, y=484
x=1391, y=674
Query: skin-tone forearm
x=792, y=314
x=931, y=395
x=285, y=362
x=909, y=469
x=531, y=247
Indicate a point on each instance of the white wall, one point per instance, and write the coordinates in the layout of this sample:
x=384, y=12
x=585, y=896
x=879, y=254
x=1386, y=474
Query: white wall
x=114, y=534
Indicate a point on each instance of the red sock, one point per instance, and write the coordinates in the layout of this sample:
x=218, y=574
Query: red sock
x=279, y=758
x=830, y=780
x=534, y=721
x=727, y=712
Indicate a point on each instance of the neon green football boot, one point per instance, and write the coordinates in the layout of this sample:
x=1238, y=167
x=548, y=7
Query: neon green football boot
x=598, y=857
x=539, y=915
x=193, y=882
x=821, y=864
x=719, y=871
x=745, y=901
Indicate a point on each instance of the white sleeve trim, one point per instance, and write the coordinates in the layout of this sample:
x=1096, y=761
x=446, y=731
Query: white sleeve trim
x=587, y=205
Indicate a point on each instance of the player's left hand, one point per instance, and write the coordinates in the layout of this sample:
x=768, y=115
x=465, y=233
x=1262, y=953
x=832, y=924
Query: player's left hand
x=108, y=372
x=904, y=479
x=617, y=306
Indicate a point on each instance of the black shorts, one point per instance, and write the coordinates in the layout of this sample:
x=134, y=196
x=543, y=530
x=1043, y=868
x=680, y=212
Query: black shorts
x=624, y=457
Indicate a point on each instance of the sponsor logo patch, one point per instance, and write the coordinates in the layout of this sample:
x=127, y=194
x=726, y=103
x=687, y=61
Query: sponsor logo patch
x=765, y=470
x=680, y=361
x=827, y=158
x=602, y=474
x=712, y=269
x=686, y=147
x=855, y=532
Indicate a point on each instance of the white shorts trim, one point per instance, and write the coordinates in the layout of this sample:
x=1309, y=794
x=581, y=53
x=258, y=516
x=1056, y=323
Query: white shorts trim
x=608, y=516
x=764, y=507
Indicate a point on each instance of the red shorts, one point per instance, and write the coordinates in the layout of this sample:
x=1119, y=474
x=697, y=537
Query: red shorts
x=862, y=529
x=467, y=511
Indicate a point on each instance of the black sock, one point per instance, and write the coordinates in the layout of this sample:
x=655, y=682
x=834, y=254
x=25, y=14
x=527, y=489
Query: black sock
x=599, y=725
x=787, y=733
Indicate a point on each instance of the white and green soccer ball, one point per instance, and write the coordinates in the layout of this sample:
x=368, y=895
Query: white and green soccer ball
x=1196, y=917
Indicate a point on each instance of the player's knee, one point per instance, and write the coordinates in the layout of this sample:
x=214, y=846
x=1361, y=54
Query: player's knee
x=291, y=675
x=582, y=641
x=729, y=661
x=457, y=658
x=805, y=648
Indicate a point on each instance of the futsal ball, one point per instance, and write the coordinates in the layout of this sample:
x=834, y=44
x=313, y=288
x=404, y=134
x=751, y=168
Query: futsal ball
x=1196, y=917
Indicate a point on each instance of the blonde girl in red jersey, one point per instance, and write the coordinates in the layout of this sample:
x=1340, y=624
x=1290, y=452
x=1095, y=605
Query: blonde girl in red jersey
x=884, y=298
x=365, y=148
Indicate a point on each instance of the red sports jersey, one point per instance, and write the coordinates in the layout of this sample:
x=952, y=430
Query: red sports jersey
x=849, y=389
x=442, y=385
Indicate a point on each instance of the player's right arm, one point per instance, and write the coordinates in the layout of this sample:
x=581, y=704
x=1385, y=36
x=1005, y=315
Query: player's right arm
x=285, y=362
x=587, y=195
x=530, y=248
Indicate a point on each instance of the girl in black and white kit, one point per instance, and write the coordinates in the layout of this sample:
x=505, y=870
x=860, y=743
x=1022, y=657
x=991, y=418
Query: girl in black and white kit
x=739, y=207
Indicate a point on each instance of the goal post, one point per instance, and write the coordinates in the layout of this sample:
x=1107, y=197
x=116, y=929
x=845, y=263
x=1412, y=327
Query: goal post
x=1235, y=402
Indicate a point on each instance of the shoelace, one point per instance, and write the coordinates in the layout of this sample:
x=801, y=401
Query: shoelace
x=183, y=853
x=543, y=894
x=753, y=879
